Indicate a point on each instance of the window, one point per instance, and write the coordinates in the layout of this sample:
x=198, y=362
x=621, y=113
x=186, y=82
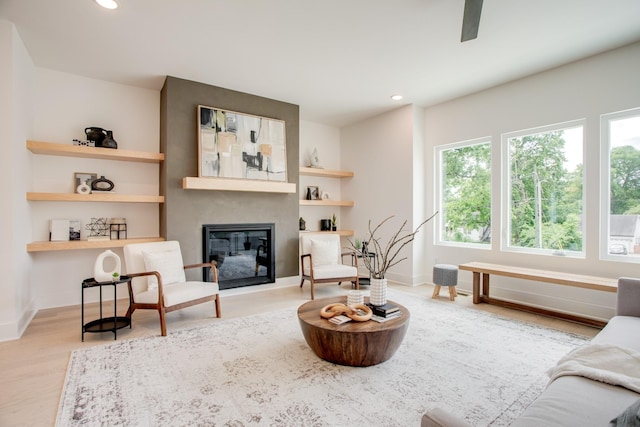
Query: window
x=620, y=157
x=463, y=184
x=543, y=195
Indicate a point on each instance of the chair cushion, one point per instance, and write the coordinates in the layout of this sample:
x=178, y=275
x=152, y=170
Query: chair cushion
x=329, y=271
x=168, y=263
x=177, y=293
x=324, y=252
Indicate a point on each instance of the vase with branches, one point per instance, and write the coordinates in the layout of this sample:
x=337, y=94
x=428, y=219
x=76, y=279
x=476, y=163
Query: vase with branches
x=383, y=256
x=386, y=254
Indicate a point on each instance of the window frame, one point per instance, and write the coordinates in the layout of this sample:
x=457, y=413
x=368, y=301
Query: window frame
x=605, y=184
x=439, y=194
x=505, y=181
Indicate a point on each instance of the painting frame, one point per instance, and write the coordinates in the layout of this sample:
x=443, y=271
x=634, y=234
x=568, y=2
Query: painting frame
x=314, y=192
x=235, y=145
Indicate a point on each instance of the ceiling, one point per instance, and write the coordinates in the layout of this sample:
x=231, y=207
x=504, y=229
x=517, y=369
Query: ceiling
x=340, y=60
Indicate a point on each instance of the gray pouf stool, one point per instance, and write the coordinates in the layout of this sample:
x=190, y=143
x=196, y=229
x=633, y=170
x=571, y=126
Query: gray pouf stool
x=445, y=275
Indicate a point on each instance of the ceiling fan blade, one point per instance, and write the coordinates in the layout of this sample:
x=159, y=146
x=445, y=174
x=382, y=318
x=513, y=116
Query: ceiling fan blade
x=471, y=19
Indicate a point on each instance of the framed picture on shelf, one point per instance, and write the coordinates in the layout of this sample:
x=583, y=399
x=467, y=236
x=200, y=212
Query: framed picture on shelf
x=74, y=229
x=313, y=193
x=86, y=178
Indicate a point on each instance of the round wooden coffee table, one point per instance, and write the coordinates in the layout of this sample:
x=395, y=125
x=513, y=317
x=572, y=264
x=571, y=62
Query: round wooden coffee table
x=352, y=343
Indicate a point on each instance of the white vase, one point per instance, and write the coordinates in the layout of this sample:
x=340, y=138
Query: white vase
x=378, y=294
x=99, y=273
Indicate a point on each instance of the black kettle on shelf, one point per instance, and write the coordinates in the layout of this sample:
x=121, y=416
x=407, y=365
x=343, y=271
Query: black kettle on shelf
x=101, y=137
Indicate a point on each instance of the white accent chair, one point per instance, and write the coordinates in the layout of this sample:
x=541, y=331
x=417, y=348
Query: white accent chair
x=321, y=261
x=159, y=281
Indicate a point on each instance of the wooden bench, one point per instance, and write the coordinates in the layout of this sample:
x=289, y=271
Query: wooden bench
x=566, y=279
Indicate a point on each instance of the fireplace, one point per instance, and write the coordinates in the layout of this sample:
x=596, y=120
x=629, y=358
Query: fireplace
x=244, y=253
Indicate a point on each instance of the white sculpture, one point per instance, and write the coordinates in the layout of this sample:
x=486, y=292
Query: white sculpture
x=314, y=160
x=99, y=275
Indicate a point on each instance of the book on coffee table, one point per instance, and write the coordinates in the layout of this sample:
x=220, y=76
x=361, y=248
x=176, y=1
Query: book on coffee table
x=384, y=310
x=381, y=319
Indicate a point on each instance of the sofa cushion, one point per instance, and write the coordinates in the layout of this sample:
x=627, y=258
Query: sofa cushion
x=437, y=417
x=576, y=401
x=620, y=331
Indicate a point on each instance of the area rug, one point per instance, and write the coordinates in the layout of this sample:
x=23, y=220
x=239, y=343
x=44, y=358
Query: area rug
x=259, y=371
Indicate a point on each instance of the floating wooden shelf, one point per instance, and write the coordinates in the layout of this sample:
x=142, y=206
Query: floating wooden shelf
x=68, y=150
x=329, y=173
x=224, y=184
x=347, y=203
x=93, y=197
x=86, y=244
x=340, y=232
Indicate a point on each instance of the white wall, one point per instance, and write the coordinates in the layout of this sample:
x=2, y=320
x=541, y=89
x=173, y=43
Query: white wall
x=585, y=89
x=380, y=152
x=325, y=139
x=64, y=105
x=16, y=79
x=385, y=153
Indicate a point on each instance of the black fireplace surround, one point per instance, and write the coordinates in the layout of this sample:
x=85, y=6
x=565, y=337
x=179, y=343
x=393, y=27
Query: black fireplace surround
x=244, y=253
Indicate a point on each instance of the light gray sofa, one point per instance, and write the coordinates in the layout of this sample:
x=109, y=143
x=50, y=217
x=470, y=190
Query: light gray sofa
x=576, y=400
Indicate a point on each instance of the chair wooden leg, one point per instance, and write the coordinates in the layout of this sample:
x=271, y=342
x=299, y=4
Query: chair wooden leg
x=163, y=324
x=452, y=293
x=302, y=282
x=436, y=291
x=217, y=301
x=312, y=296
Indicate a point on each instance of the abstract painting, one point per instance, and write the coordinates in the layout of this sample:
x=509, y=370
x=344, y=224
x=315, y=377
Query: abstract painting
x=243, y=146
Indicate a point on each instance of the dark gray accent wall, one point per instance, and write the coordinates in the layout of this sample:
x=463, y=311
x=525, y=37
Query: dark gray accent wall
x=185, y=211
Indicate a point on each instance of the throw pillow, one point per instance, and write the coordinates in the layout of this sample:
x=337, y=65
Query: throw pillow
x=324, y=252
x=167, y=263
x=629, y=418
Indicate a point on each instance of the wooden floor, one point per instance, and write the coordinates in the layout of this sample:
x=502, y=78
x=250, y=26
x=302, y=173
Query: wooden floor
x=32, y=369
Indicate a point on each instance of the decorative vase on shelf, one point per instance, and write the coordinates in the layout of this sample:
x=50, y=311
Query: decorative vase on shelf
x=378, y=294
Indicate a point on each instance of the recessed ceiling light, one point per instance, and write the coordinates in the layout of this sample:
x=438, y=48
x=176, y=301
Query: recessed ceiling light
x=108, y=4
x=396, y=97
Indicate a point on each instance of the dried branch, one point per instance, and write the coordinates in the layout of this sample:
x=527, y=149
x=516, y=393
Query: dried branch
x=386, y=257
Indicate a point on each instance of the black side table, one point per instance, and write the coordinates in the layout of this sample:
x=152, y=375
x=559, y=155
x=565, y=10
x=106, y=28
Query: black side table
x=105, y=324
x=364, y=280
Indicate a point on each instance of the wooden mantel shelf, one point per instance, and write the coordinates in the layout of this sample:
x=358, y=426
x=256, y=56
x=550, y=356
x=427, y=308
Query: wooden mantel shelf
x=224, y=184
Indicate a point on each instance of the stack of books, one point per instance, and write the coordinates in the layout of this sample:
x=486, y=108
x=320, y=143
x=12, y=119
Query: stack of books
x=384, y=312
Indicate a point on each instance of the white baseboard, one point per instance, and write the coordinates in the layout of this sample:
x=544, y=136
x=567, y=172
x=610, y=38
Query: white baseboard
x=577, y=303
x=10, y=331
